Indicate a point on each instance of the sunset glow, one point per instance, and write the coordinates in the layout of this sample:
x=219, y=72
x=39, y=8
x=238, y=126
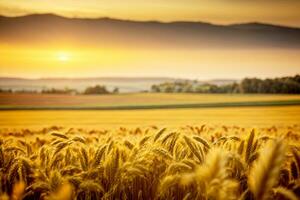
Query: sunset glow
x=62, y=51
x=75, y=62
x=63, y=56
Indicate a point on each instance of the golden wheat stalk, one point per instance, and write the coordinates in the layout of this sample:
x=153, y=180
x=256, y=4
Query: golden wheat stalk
x=287, y=194
x=264, y=174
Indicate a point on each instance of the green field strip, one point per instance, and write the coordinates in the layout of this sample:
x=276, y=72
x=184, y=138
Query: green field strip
x=161, y=106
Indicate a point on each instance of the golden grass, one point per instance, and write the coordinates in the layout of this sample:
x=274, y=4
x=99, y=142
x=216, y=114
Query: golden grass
x=189, y=162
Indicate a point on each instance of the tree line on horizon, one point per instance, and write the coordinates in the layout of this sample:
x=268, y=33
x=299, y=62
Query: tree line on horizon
x=283, y=85
x=97, y=89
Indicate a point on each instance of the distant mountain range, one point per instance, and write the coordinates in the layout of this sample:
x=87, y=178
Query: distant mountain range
x=125, y=84
x=106, y=32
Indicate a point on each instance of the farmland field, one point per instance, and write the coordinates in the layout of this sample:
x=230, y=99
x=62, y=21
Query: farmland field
x=218, y=109
x=141, y=100
x=244, y=116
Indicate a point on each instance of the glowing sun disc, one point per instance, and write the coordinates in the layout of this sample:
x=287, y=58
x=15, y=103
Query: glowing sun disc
x=63, y=56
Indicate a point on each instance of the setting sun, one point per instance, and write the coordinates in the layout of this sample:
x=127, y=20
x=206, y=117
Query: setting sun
x=63, y=56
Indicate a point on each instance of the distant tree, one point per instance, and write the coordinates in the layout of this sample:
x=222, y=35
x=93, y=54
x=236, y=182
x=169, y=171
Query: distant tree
x=23, y=91
x=169, y=88
x=155, y=88
x=187, y=88
x=287, y=85
x=59, y=91
x=6, y=90
x=116, y=90
x=98, y=89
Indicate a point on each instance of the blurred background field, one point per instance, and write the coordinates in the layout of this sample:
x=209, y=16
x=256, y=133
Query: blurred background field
x=241, y=116
x=217, y=109
x=139, y=99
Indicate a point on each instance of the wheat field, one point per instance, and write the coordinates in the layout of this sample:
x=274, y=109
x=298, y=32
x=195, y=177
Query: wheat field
x=189, y=162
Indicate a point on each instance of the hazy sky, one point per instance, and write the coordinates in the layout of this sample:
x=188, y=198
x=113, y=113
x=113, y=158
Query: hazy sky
x=218, y=11
x=200, y=64
x=30, y=61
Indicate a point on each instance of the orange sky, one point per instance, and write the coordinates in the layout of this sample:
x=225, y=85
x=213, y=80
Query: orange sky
x=196, y=64
x=30, y=61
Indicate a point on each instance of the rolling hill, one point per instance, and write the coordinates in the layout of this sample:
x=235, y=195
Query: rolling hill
x=106, y=32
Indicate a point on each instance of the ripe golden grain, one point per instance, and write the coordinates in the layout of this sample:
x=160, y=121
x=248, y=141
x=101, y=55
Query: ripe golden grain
x=220, y=163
